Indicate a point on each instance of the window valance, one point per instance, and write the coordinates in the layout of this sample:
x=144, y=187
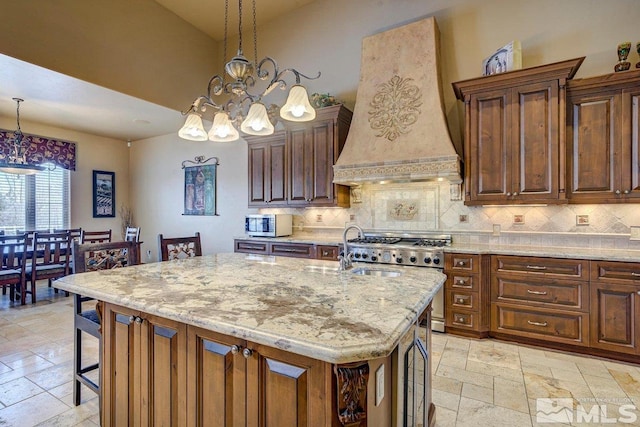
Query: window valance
x=41, y=150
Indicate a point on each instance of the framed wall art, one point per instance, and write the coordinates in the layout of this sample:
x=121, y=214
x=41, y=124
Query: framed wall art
x=200, y=187
x=507, y=58
x=104, y=194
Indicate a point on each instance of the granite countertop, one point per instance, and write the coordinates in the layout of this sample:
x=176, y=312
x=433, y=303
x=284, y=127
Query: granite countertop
x=316, y=311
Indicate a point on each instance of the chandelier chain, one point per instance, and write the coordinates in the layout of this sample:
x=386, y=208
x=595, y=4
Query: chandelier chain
x=255, y=35
x=240, y=25
x=226, y=27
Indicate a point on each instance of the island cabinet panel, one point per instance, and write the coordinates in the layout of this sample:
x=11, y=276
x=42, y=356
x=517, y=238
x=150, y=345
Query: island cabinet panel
x=515, y=135
x=297, y=250
x=615, y=306
x=603, y=117
x=293, y=250
x=145, y=361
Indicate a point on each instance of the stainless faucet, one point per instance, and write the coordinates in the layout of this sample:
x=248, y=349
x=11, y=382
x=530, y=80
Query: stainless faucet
x=346, y=259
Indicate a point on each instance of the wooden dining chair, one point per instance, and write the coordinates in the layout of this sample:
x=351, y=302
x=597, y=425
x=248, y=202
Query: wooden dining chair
x=95, y=236
x=50, y=255
x=13, y=250
x=87, y=318
x=179, y=247
x=76, y=233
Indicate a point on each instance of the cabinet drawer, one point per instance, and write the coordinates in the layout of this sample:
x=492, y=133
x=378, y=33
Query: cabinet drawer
x=538, y=291
x=548, y=267
x=462, y=299
x=252, y=247
x=456, y=318
x=462, y=282
x=329, y=253
x=550, y=325
x=293, y=250
x=462, y=262
x=620, y=272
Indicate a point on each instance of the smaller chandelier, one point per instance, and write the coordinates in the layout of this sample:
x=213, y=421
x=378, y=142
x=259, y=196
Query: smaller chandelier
x=243, y=74
x=17, y=160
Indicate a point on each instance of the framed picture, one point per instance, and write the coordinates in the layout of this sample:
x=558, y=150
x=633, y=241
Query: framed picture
x=200, y=190
x=507, y=58
x=104, y=194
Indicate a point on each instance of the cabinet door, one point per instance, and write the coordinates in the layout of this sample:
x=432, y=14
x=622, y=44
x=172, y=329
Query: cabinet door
x=121, y=378
x=216, y=369
x=593, y=148
x=615, y=313
x=267, y=179
x=490, y=151
x=631, y=143
x=287, y=390
x=535, y=135
x=301, y=167
x=163, y=371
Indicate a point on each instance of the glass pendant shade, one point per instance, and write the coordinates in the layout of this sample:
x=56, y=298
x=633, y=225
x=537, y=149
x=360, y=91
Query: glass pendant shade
x=222, y=129
x=257, y=121
x=297, y=107
x=193, y=129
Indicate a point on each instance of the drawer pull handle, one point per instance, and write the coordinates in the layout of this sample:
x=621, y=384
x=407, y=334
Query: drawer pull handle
x=529, y=291
x=460, y=282
x=536, y=267
x=460, y=300
x=633, y=273
x=536, y=323
x=460, y=263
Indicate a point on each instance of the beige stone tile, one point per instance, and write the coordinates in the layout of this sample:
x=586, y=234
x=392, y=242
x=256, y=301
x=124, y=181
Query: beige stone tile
x=495, y=371
x=510, y=394
x=454, y=357
x=620, y=366
x=32, y=411
x=445, y=417
x=474, y=413
x=473, y=391
x=476, y=378
x=628, y=381
x=532, y=368
x=570, y=375
x=4, y=368
x=604, y=387
x=19, y=389
x=446, y=399
x=593, y=367
x=496, y=357
x=538, y=386
x=449, y=385
x=25, y=370
x=53, y=377
x=458, y=343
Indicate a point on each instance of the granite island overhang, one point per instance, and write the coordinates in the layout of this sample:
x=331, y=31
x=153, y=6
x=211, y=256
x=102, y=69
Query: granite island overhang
x=306, y=307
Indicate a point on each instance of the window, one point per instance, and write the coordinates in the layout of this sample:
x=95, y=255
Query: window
x=34, y=202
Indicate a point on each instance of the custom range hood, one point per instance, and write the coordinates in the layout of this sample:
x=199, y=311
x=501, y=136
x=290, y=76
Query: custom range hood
x=399, y=131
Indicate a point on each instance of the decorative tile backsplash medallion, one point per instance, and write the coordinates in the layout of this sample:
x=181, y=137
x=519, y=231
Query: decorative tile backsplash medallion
x=402, y=210
x=404, y=207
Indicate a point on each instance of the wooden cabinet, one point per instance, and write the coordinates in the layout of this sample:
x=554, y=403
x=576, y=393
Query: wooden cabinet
x=515, y=135
x=294, y=167
x=267, y=170
x=466, y=294
x=603, y=123
x=242, y=383
x=540, y=298
x=144, y=359
x=615, y=306
x=313, y=149
x=298, y=250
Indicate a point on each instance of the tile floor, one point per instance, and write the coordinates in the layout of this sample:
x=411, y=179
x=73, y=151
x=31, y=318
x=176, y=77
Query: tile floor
x=475, y=383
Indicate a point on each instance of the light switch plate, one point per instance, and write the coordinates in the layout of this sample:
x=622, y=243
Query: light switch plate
x=496, y=229
x=379, y=384
x=635, y=232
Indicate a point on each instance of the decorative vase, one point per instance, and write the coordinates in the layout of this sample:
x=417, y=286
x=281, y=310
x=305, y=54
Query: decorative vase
x=623, y=53
x=638, y=50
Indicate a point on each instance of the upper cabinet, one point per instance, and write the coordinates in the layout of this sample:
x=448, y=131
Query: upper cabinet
x=294, y=168
x=515, y=135
x=603, y=122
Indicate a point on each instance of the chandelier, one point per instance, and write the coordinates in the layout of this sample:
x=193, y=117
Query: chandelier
x=237, y=86
x=17, y=160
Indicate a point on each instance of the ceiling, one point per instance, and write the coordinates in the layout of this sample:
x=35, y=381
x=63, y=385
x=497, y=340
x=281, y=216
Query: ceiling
x=58, y=100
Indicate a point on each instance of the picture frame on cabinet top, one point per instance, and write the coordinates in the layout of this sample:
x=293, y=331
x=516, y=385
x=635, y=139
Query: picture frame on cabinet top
x=507, y=58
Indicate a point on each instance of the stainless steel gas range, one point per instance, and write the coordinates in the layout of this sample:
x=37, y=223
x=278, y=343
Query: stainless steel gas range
x=415, y=249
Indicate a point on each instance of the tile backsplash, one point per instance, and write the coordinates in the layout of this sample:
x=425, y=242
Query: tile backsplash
x=428, y=206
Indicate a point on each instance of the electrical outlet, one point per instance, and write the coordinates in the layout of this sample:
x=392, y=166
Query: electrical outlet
x=463, y=218
x=496, y=229
x=319, y=218
x=379, y=384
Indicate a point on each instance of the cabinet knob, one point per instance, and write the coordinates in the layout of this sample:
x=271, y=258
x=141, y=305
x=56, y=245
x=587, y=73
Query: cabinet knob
x=515, y=194
x=509, y=194
x=235, y=349
x=461, y=263
x=460, y=300
x=138, y=320
x=247, y=353
x=460, y=282
x=626, y=191
x=617, y=191
x=132, y=319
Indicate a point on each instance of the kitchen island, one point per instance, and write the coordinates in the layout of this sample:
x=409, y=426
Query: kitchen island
x=235, y=339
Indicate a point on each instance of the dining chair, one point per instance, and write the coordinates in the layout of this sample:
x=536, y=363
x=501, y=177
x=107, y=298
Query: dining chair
x=76, y=233
x=95, y=236
x=132, y=234
x=171, y=248
x=14, y=260
x=50, y=255
x=87, y=319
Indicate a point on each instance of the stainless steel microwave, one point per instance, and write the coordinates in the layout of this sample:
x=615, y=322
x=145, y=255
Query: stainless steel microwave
x=268, y=225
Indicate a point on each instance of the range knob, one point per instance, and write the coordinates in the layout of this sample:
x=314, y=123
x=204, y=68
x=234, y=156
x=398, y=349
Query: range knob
x=357, y=255
x=365, y=256
x=436, y=260
x=374, y=258
x=413, y=259
x=427, y=260
x=399, y=260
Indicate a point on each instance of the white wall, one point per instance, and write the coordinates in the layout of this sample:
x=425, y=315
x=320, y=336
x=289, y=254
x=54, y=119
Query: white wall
x=157, y=186
x=92, y=153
